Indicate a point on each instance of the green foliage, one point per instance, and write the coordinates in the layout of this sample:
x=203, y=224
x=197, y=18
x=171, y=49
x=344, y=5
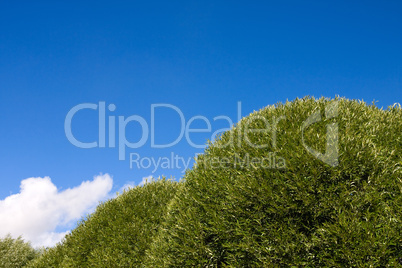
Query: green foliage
x=271, y=192
x=281, y=206
x=118, y=233
x=15, y=252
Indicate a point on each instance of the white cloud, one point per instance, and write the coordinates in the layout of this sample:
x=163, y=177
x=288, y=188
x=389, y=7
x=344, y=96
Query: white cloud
x=132, y=184
x=40, y=208
x=146, y=180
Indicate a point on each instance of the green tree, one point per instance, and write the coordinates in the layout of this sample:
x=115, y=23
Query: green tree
x=118, y=233
x=16, y=252
x=317, y=183
x=307, y=183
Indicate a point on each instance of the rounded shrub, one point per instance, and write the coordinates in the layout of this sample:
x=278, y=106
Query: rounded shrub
x=16, y=252
x=118, y=233
x=312, y=182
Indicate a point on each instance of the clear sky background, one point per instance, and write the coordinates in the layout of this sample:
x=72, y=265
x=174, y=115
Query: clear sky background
x=203, y=57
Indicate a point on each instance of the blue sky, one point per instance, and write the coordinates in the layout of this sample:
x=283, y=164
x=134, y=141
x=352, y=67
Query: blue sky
x=201, y=57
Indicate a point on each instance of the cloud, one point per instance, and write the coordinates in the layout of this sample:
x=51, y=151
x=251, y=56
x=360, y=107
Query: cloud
x=132, y=184
x=40, y=208
x=146, y=180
